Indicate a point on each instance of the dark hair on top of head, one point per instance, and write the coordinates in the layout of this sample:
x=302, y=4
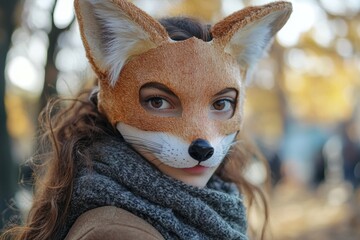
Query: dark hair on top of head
x=72, y=128
x=182, y=28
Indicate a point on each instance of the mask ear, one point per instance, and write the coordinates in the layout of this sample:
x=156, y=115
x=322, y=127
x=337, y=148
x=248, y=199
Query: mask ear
x=247, y=33
x=113, y=31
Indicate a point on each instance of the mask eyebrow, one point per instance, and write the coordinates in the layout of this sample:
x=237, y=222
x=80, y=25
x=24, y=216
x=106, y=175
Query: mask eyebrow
x=159, y=86
x=226, y=90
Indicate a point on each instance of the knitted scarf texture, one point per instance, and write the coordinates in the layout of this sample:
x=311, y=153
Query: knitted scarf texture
x=122, y=178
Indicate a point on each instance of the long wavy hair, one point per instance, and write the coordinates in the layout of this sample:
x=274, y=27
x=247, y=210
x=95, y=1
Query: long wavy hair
x=68, y=130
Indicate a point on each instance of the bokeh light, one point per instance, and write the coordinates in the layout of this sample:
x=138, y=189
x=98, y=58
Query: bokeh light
x=23, y=74
x=63, y=13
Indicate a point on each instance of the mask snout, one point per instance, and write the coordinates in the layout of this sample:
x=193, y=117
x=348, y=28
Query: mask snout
x=200, y=150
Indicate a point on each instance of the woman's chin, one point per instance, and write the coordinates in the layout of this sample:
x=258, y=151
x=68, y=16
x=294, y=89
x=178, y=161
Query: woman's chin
x=196, y=176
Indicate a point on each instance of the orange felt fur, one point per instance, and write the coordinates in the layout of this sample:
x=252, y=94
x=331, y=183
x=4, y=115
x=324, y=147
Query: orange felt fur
x=194, y=70
x=187, y=75
x=88, y=28
x=226, y=28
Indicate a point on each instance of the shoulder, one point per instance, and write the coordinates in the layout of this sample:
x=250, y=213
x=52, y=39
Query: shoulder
x=111, y=223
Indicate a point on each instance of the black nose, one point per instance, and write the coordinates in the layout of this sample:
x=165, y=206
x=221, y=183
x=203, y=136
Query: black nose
x=201, y=150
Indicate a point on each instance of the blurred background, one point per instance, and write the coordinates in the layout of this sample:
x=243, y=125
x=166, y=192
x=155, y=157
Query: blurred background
x=303, y=107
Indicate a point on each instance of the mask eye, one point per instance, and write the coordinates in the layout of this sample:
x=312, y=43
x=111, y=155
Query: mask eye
x=159, y=100
x=223, y=105
x=158, y=103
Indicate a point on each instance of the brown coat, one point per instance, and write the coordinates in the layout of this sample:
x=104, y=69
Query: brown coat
x=110, y=223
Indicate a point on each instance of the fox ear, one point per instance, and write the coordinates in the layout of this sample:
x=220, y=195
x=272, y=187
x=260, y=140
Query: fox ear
x=113, y=31
x=247, y=33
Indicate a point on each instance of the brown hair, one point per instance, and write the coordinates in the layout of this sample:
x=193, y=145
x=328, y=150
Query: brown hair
x=68, y=131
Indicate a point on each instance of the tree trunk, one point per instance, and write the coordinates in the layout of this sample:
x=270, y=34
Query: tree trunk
x=7, y=166
x=51, y=71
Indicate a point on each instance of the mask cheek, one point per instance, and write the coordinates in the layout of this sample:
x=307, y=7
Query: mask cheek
x=229, y=127
x=166, y=148
x=139, y=139
x=221, y=146
x=171, y=150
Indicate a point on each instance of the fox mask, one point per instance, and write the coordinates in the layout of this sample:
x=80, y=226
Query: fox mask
x=131, y=53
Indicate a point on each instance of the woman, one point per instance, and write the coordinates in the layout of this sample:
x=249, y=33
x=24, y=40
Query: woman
x=153, y=153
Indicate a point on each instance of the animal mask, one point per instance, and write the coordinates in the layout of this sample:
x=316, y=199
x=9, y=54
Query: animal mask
x=203, y=82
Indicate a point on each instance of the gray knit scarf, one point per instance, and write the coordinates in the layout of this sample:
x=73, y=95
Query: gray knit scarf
x=122, y=178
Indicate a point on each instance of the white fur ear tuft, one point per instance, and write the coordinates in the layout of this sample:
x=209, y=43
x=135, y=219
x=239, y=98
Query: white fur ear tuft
x=246, y=34
x=113, y=31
